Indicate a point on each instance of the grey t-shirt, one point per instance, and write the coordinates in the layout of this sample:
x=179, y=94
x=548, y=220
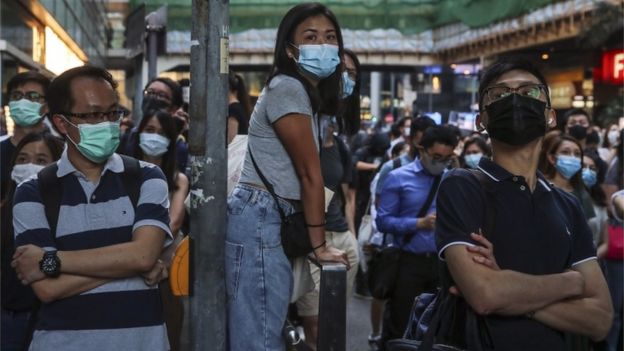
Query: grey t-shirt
x=284, y=95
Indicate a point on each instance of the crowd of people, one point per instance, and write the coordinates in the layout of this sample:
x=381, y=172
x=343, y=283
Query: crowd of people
x=93, y=206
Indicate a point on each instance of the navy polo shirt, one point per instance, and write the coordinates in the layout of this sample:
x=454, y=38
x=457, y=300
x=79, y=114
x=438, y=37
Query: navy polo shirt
x=539, y=232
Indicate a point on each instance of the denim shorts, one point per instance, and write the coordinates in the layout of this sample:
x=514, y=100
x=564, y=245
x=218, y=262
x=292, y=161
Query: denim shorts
x=258, y=276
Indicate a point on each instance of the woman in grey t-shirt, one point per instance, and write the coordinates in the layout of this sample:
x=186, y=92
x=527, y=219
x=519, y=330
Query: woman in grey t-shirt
x=283, y=138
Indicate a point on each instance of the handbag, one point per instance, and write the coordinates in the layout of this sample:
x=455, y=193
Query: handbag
x=615, y=244
x=293, y=231
x=384, y=267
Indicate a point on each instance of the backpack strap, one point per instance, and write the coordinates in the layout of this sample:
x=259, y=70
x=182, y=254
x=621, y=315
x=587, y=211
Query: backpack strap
x=132, y=178
x=50, y=190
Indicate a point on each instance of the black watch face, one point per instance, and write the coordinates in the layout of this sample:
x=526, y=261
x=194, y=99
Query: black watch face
x=49, y=264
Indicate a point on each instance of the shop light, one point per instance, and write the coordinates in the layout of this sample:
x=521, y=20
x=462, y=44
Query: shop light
x=578, y=101
x=545, y=56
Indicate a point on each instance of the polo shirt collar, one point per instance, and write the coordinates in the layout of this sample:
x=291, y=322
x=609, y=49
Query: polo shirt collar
x=417, y=165
x=65, y=167
x=498, y=173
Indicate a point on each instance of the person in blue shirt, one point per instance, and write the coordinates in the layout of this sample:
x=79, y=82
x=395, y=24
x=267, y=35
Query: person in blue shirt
x=403, y=196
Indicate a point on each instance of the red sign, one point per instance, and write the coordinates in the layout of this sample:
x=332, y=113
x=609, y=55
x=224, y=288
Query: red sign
x=613, y=67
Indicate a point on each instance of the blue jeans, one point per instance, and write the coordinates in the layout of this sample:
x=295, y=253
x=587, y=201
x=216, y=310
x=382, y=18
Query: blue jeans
x=258, y=276
x=614, y=271
x=14, y=328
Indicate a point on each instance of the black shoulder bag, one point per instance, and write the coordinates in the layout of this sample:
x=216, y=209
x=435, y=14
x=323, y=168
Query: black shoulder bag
x=384, y=267
x=294, y=233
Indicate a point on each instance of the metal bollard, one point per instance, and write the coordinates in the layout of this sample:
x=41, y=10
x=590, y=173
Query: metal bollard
x=332, y=328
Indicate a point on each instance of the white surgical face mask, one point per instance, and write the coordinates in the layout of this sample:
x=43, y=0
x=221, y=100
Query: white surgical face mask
x=406, y=131
x=153, y=144
x=25, y=171
x=613, y=137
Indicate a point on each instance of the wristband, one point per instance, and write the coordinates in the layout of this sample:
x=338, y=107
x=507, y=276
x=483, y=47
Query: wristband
x=321, y=245
x=315, y=225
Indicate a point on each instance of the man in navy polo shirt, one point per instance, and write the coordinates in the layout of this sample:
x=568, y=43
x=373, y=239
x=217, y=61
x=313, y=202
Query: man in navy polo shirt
x=401, y=201
x=549, y=281
x=89, y=272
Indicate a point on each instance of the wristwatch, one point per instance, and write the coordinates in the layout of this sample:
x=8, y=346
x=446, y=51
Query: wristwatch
x=50, y=264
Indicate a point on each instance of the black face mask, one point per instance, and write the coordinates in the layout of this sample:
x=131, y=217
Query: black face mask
x=578, y=132
x=516, y=119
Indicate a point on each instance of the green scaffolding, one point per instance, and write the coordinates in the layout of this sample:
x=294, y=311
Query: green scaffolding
x=407, y=16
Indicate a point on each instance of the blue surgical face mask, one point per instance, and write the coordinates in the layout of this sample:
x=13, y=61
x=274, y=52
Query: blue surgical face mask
x=472, y=161
x=319, y=60
x=347, y=85
x=568, y=166
x=153, y=144
x=590, y=177
x=25, y=113
x=97, y=141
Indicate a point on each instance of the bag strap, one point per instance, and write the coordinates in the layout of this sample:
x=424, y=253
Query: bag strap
x=267, y=184
x=425, y=207
x=131, y=179
x=50, y=190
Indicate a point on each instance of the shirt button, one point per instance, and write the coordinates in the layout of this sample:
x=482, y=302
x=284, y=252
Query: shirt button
x=515, y=179
x=522, y=187
x=92, y=197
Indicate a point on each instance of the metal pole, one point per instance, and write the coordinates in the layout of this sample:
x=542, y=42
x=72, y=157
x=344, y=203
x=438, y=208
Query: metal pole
x=152, y=45
x=208, y=103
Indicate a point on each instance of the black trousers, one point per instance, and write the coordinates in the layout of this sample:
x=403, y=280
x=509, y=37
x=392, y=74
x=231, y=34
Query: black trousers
x=417, y=274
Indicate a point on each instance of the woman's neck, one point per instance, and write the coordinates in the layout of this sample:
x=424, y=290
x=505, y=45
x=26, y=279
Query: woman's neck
x=562, y=183
x=151, y=159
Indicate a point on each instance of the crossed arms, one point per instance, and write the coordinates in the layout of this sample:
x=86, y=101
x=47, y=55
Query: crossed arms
x=575, y=301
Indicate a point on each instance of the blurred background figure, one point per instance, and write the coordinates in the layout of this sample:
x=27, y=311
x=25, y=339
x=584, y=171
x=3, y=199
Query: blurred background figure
x=239, y=107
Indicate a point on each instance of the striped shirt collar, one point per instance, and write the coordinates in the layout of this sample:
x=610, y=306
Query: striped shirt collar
x=65, y=167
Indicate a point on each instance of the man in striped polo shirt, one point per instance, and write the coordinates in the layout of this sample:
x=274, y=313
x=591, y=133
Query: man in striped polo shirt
x=93, y=274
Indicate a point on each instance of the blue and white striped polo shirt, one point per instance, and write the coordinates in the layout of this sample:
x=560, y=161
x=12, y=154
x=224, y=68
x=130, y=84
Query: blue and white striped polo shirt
x=124, y=314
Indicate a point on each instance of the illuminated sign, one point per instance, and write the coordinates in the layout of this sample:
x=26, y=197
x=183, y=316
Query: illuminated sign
x=613, y=67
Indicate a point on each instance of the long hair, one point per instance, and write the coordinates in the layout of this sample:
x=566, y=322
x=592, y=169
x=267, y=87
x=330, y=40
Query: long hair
x=237, y=85
x=55, y=145
x=325, y=96
x=550, y=170
x=349, y=118
x=168, y=162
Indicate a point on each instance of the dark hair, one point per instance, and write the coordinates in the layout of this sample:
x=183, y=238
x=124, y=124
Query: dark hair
x=176, y=90
x=325, y=96
x=397, y=148
x=487, y=151
x=572, y=112
x=550, y=170
x=59, y=94
x=605, y=136
x=237, y=84
x=596, y=192
x=56, y=146
x=402, y=120
x=439, y=134
x=349, y=118
x=502, y=66
x=168, y=163
x=420, y=124
x=395, y=130
x=25, y=77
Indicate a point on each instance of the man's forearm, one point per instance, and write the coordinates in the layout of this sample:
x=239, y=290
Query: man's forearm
x=581, y=315
x=116, y=261
x=66, y=285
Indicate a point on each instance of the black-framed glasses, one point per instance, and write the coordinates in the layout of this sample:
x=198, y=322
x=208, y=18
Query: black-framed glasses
x=532, y=90
x=96, y=117
x=157, y=94
x=29, y=95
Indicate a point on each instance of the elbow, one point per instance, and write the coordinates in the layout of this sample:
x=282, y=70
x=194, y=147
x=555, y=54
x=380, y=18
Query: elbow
x=146, y=262
x=484, y=300
x=44, y=293
x=603, y=325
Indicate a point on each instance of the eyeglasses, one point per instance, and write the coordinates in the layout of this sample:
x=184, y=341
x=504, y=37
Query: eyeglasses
x=535, y=91
x=96, y=117
x=30, y=95
x=157, y=94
